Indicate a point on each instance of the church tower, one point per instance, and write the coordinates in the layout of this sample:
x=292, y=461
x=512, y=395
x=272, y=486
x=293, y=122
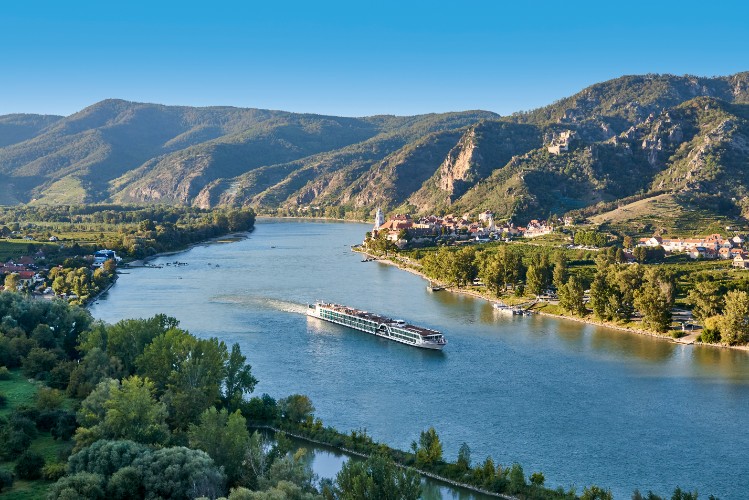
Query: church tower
x=379, y=219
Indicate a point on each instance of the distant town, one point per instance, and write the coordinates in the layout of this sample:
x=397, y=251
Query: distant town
x=405, y=231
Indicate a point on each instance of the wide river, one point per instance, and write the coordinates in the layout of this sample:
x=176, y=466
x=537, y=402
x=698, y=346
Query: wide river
x=583, y=404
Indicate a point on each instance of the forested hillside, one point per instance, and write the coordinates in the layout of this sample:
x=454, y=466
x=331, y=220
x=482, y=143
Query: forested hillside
x=635, y=136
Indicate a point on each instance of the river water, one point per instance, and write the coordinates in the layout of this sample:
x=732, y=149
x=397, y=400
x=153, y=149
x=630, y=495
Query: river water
x=583, y=404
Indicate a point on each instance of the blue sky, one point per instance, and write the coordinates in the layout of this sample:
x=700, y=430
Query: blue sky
x=352, y=58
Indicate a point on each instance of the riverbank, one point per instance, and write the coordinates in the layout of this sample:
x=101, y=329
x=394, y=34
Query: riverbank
x=313, y=219
x=226, y=238
x=347, y=451
x=689, y=339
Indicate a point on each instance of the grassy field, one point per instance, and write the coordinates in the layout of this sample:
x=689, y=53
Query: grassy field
x=19, y=391
x=22, y=392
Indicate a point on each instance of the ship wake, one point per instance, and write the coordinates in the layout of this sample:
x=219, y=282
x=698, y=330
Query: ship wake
x=262, y=302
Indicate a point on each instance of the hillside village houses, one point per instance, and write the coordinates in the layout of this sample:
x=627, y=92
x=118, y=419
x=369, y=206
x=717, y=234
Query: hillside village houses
x=31, y=270
x=713, y=246
x=464, y=227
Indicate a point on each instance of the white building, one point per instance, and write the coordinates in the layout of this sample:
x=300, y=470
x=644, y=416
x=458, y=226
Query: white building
x=379, y=219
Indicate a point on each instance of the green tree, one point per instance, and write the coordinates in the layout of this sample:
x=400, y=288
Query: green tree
x=561, y=274
x=91, y=370
x=225, y=438
x=257, y=459
x=654, y=299
x=679, y=494
x=79, y=485
x=464, y=270
x=429, y=449
x=599, y=294
x=179, y=473
x=511, y=265
x=29, y=465
x=734, y=324
x=706, y=299
x=105, y=457
x=464, y=457
x=6, y=479
x=534, y=280
x=187, y=372
x=126, y=339
x=296, y=408
x=294, y=469
x=377, y=478
x=627, y=280
x=490, y=272
x=571, y=296
x=12, y=282
x=39, y=362
x=239, y=380
x=125, y=484
x=537, y=479
x=133, y=413
x=596, y=493
x=517, y=479
x=130, y=412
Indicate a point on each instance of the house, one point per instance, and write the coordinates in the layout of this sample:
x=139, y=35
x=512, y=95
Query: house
x=704, y=253
x=653, y=241
x=26, y=277
x=741, y=262
x=101, y=256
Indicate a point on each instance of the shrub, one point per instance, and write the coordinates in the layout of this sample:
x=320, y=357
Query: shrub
x=29, y=465
x=53, y=472
x=125, y=484
x=6, y=479
x=4, y=373
x=3, y=400
x=106, y=457
x=65, y=426
x=81, y=485
x=710, y=336
x=49, y=399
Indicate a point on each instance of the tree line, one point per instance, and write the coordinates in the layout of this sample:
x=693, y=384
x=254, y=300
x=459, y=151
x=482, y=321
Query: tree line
x=618, y=292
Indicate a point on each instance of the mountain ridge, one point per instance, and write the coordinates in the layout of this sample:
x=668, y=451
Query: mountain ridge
x=632, y=135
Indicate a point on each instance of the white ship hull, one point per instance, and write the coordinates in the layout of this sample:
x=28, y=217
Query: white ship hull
x=397, y=331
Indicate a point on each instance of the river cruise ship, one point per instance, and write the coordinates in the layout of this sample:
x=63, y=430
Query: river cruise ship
x=392, y=329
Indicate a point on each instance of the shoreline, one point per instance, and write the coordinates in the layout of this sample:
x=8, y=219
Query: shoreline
x=133, y=264
x=216, y=239
x=318, y=219
x=344, y=450
x=686, y=340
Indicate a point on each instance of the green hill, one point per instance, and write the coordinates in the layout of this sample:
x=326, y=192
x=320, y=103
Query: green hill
x=632, y=137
